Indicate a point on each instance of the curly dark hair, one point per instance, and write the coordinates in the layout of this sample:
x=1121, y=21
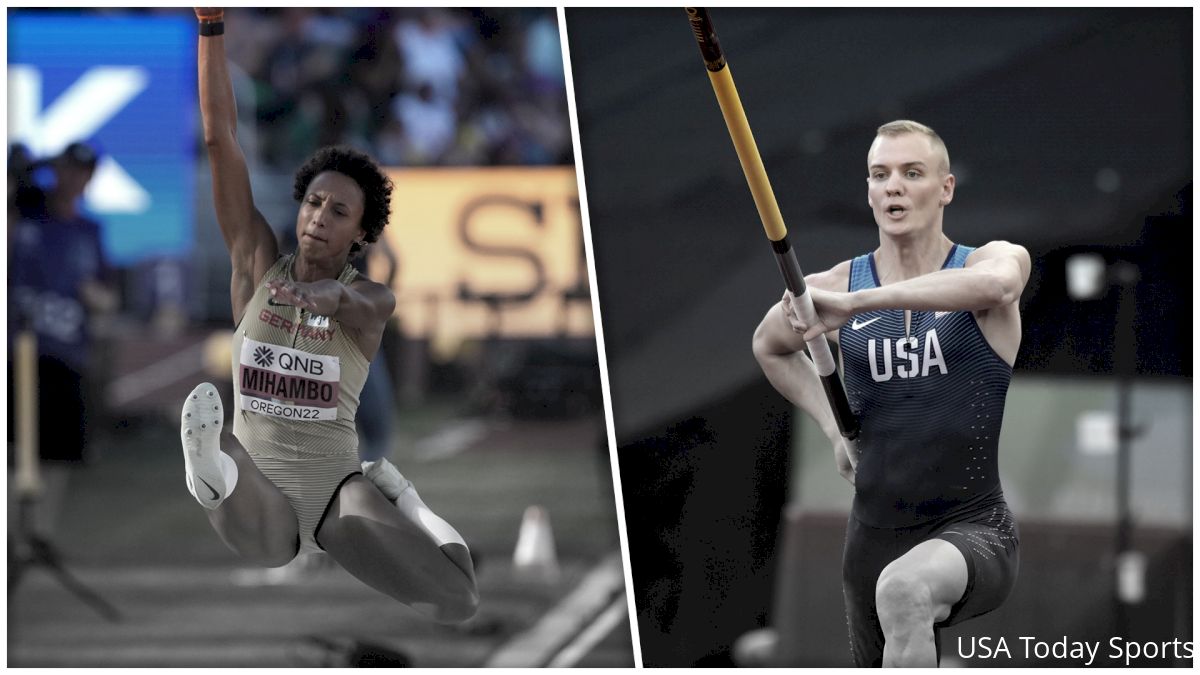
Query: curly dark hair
x=376, y=186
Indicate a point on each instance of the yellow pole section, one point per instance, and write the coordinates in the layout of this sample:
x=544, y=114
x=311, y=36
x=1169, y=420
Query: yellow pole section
x=747, y=152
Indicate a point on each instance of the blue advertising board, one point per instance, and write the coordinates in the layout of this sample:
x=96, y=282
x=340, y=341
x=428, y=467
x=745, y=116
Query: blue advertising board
x=127, y=85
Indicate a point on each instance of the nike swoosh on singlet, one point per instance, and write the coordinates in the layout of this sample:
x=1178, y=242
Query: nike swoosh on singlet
x=856, y=325
x=938, y=315
x=271, y=302
x=216, y=495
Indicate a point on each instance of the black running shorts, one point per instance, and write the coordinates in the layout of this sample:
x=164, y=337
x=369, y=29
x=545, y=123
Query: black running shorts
x=986, y=536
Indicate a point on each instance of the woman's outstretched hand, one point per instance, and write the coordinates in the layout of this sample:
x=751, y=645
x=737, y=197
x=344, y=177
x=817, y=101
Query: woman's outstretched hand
x=319, y=297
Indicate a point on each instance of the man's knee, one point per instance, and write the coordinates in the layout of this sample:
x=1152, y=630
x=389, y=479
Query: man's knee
x=903, y=599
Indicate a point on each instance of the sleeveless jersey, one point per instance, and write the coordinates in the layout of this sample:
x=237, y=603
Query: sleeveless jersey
x=930, y=402
x=297, y=377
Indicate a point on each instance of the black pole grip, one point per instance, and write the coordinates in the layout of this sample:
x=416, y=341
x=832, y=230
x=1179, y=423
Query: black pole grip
x=836, y=393
x=789, y=267
x=706, y=38
x=847, y=422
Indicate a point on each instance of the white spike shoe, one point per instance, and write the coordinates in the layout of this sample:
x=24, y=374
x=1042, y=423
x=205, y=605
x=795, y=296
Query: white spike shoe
x=210, y=473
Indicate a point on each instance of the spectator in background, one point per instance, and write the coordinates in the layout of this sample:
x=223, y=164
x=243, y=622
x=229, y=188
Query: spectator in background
x=543, y=113
x=542, y=53
x=24, y=200
x=429, y=126
x=58, y=285
x=430, y=53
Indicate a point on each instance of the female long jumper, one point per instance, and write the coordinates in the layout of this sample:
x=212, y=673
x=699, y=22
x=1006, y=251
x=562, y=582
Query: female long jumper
x=307, y=327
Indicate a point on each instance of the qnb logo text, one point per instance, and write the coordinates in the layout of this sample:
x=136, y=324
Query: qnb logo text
x=264, y=357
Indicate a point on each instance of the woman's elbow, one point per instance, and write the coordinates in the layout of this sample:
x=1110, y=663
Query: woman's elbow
x=215, y=137
x=212, y=142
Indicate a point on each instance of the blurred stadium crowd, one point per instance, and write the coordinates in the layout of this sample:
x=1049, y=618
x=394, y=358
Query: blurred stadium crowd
x=414, y=87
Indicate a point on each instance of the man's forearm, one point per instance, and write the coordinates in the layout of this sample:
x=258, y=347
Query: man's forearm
x=947, y=290
x=810, y=396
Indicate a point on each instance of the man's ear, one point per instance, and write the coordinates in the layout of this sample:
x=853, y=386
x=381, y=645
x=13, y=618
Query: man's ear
x=947, y=190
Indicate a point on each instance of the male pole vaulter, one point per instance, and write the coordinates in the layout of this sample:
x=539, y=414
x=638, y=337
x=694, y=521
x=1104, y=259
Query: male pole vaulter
x=929, y=330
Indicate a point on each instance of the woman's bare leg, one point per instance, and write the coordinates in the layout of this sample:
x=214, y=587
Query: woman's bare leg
x=252, y=516
x=374, y=541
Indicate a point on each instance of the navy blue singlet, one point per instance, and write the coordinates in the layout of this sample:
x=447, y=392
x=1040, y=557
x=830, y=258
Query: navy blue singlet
x=930, y=401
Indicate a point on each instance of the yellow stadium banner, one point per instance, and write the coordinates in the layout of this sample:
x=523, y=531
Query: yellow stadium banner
x=487, y=252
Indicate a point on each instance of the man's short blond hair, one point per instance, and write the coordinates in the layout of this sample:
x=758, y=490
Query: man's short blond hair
x=901, y=127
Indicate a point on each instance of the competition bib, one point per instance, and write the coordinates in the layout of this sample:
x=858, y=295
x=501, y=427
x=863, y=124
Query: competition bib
x=289, y=383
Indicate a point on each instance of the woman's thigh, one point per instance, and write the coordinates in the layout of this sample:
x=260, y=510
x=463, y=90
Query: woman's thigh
x=372, y=540
x=255, y=520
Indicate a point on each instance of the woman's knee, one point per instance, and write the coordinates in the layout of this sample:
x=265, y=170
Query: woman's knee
x=260, y=542
x=280, y=546
x=461, y=603
x=457, y=597
x=277, y=556
x=262, y=552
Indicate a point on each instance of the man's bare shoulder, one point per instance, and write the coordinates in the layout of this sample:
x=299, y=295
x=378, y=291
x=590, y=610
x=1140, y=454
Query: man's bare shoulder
x=836, y=278
x=995, y=249
x=1003, y=250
